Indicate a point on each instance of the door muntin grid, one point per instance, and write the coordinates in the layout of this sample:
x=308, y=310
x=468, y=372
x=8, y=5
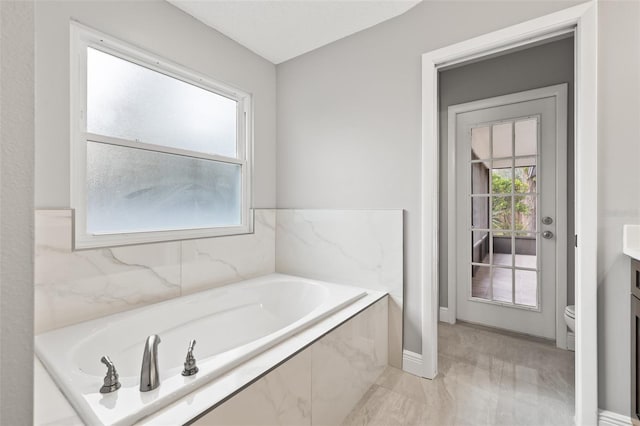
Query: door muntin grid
x=505, y=241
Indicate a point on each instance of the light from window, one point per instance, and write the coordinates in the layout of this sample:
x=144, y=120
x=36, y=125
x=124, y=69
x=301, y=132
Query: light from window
x=160, y=152
x=127, y=101
x=133, y=190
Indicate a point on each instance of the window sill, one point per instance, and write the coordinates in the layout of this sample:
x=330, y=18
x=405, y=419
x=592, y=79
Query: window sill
x=83, y=241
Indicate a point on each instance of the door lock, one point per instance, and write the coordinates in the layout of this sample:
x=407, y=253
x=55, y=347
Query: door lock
x=547, y=220
x=547, y=235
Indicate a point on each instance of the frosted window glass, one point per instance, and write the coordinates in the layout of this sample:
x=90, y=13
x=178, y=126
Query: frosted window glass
x=128, y=101
x=135, y=190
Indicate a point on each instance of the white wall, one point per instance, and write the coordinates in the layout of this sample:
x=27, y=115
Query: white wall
x=349, y=119
x=161, y=28
x=16, y=212
x=618, y=191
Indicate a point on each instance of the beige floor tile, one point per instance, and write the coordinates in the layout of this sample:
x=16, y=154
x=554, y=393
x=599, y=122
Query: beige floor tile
x=486, y=377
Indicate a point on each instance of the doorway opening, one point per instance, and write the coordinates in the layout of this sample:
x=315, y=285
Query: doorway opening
x=507, y=202
x=580, y=20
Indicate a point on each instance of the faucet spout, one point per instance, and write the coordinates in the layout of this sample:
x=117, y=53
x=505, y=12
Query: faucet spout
x=149, y=374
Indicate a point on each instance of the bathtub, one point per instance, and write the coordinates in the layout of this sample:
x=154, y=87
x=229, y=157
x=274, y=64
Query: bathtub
x=231, y=324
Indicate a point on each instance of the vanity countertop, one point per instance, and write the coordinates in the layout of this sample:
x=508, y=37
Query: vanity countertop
x=631, y=241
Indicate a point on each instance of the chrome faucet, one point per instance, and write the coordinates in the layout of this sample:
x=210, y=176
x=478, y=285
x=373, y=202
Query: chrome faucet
x=110, y=383
x=190, y=367
x=149, y=374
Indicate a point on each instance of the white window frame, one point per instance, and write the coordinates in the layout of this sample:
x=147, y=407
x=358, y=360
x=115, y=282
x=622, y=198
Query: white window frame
x=83, y=37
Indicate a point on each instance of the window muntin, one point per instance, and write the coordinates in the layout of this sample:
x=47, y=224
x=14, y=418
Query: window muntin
x=206, y=160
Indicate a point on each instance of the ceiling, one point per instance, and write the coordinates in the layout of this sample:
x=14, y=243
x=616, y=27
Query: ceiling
x=279, y=30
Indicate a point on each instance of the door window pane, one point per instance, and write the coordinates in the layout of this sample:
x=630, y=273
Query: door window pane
x=502, y=284
x=526, y=283
x=525, y=250
x=480, y=214
x=501, y=180
x=501, y=215
x=502, y=140
x=198, y=193
x=502, y=249
x=526, y=137
x=128, y=101
x=480, y=247
x=481, y=282
x=480, y=143
x=525, y=179
x=479, y=178
x=525, y=213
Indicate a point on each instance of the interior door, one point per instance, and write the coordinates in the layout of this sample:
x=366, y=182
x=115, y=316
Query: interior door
x=506, y=216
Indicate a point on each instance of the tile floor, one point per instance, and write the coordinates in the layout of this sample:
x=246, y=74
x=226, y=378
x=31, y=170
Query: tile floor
x=485, y=378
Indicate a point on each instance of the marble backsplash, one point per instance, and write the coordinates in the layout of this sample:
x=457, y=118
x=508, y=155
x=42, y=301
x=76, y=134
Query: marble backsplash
x=74, y=286
x=356, y=247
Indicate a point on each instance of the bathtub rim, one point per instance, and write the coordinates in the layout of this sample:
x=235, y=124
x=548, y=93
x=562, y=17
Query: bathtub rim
x=323, y=325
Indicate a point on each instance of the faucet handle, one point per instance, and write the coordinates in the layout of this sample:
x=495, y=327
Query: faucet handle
x=111, y=383
x=190, y=367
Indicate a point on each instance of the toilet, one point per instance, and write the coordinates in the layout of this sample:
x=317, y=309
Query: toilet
x=570, y=317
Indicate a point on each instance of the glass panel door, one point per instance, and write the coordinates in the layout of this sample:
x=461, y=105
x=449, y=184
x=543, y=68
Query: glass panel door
x=504, y=199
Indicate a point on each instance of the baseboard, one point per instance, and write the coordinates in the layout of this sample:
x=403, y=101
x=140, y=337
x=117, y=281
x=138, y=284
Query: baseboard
x=609, y=418
x=412, y=363
x=444, y=315
x=571, y=341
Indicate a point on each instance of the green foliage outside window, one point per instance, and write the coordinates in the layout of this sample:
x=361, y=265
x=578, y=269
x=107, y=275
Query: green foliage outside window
x=502, y=184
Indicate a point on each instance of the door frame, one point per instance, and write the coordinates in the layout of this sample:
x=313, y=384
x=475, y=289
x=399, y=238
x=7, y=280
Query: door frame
x=583, y=19
x=560, y=93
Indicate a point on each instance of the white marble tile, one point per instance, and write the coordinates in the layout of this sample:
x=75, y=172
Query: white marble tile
x=75, y=286
x=346, y=363
x=358, y=247
x=212, y=262
x=199, y=401
x=282, y=397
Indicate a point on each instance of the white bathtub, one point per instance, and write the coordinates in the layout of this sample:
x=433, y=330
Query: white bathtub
x=231, y=324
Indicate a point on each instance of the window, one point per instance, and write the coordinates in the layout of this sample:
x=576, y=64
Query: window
x=159, y=152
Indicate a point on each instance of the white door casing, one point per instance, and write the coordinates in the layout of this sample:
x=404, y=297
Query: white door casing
x=548, y=106
x=582, y=19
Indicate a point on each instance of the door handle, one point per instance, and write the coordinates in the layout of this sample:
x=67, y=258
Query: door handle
x=547, y=235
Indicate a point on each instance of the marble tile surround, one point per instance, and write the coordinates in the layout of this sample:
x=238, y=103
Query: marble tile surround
x=282, y=397
x=74, y=286
x=357, y=247
x=318, y=386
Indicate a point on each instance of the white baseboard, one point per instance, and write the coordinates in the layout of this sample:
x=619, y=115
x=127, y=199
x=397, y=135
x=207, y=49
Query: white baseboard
x=444, y=316
x=412, y=363
x=571, y=341
x=609, y=418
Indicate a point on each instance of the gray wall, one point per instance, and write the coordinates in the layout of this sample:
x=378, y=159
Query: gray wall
x=159, y=27
x=535, y=67
x=618, y=191
x=16, y=212
x=349, y=118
